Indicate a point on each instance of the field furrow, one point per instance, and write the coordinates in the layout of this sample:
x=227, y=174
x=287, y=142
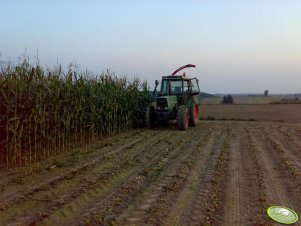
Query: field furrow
x=127, y=185
x=277, y=190
x=180, y=208
x=159, y=183
x=217, y=173
x=232, y=209
x=159, y=197
x=201, y=186
x=16, y=187
x=53, y=192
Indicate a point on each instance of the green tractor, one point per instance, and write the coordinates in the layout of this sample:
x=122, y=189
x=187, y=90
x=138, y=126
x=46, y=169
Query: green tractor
x=178, y=99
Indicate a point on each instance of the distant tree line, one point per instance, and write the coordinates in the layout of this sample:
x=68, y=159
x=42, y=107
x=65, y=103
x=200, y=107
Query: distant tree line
x=227, y=100
x=266, y=93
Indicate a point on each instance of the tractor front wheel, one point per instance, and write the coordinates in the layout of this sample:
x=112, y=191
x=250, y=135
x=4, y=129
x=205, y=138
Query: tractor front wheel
x=182, y=117
x=193, y=114
x=149, y=116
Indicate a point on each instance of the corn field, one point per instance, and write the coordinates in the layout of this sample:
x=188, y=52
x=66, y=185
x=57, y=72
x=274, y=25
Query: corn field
x=45, y=112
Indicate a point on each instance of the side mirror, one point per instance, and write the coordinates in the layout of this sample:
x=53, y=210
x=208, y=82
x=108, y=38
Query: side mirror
x=156, y=82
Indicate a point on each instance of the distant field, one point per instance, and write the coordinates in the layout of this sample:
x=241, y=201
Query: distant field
x=243, y=99
x=258, y=112
x=255, y=99
x=211, y=100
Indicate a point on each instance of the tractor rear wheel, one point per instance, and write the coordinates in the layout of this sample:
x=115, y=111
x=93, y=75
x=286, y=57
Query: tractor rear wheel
x=182, y=117
x=149, y=116
x=193, y=114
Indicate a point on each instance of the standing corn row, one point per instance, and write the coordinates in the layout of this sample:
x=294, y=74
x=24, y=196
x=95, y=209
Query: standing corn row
x=48, y=112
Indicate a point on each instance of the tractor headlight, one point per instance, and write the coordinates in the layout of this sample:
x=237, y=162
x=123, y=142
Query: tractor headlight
x=162, y=107
x=162, y=104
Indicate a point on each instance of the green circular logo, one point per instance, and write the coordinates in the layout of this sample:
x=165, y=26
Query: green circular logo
x=282, y=214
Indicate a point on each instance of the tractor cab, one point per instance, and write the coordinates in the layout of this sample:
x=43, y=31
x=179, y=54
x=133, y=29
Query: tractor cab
x=178, y=85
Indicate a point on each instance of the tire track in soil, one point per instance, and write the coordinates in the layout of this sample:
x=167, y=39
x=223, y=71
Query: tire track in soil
x=276, y=192
x=199, y=200
x=30, y=213
x=11, y=197
x=232, y=209
x=252, y=190
x=216, y=197
x=151, y=205
x=99, y=202
x=252, y=187
x=184, y=200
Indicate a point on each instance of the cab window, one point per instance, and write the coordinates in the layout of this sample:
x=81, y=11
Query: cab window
x=193, y=85
x=175, y=86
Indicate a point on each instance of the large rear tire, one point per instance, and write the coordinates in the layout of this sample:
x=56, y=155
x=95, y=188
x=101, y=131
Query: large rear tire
x=149, y=116
x=194, y=114
x=182, y=117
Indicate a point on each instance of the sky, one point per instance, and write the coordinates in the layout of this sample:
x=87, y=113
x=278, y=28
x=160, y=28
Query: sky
x=238, y=46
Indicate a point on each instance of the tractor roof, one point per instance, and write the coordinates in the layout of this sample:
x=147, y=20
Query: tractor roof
x=176, y=77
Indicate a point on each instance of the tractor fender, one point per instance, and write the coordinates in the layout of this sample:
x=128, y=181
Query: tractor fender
x=193, y=100
x=196, y=99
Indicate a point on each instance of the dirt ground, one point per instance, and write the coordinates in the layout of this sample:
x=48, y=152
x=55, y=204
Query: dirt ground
x=258, y=112
x=218, y=173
